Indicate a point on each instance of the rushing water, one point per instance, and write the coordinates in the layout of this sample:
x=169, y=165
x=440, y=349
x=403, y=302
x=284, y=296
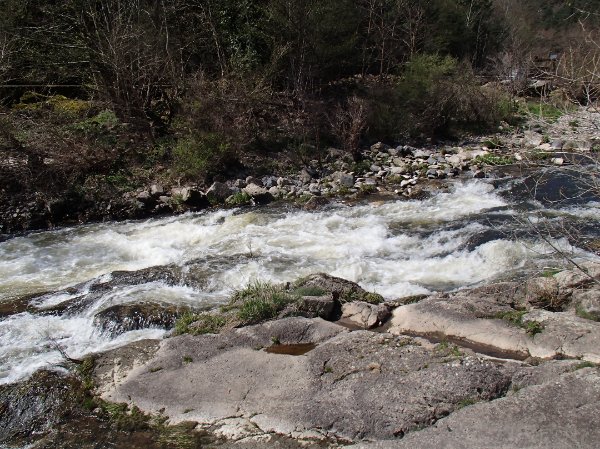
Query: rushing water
x=456, y=238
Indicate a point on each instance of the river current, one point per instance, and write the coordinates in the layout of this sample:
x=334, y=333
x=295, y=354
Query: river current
x=474, y=232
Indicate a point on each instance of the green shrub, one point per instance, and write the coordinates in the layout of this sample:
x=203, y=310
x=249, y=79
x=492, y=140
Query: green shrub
x=436, y=95
x=544, y=111
x=238, y=199
x=200, y=155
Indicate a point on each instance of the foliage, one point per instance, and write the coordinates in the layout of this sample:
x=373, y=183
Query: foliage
x=200, y=155
x=544, y=111
x=239, y=199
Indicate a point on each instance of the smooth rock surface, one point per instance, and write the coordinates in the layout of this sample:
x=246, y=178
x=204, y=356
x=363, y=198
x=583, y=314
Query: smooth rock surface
x=350, y=386
x=561, y=413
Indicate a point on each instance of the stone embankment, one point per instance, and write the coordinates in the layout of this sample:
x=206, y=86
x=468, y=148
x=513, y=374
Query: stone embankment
x=500, y=366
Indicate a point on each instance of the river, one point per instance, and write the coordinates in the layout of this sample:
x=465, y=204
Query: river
x=473, y=232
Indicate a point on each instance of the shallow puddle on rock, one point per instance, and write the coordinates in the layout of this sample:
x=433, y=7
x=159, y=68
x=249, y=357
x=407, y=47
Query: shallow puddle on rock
x=293, y=349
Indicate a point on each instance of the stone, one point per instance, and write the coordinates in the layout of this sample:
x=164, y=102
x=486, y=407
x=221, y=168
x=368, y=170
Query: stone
x=157, y=189
x=254, y=180
x=365, y=315
x=239, y=183
x=145, y=197
x=316, y=203
x=275, y=191
x=305, y=176
x=341, y=289
x=123, y=318
x=37, y=405
x=557, y=144
x=587, y=303
x=269, y=181
x=482, y=319
x=421, y=154
x=399, y=170
x=314, y=188
x=260, y=194
x=533, y=138
x=311, y=307
x=379, y=146
x=557, y=161
x=218, y=192
x=343, y=179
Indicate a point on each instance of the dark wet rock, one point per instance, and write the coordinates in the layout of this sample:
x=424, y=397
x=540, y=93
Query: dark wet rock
x=36, y=405
x=190, y=196
x=311, y=307
x=18, y=305
x=560, y=413
x=128, y=317
x=316, y=203
x=483, y=237
x=396, y=385
x=365, y=315
x=218, y=192
x=341, y=289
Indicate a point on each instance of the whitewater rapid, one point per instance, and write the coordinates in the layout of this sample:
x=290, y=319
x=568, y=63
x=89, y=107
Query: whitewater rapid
x=395, y=248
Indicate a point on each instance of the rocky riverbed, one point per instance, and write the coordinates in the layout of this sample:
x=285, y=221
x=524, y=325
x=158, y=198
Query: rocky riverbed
x=505, y=365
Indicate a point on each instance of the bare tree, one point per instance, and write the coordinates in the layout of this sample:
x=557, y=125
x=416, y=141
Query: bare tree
x=132, y=57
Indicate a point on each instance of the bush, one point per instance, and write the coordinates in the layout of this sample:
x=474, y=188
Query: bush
x=201, y=155
x=436, y=96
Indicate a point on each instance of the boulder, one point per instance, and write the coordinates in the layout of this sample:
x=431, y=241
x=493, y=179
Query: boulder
x=260, y=194
x=190, y=196
x=218, y=192
x=587, y=303
x=157, y=190
x=365, y=315
x=487, y=322
x=316, y=203
x=36, y=405
x=122, y=318
x=311, y=307
x=343, y=179
x=341, y=289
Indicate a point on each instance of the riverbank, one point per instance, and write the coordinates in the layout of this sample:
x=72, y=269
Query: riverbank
x=387, y=170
